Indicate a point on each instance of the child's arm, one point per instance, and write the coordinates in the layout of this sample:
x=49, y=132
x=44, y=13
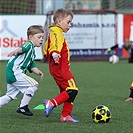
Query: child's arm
x=38, y=72
x=130, y=98
x=111, y=48
x=15, y=52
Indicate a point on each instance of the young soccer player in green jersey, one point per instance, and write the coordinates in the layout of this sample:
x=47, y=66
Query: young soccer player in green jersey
x=22, y=59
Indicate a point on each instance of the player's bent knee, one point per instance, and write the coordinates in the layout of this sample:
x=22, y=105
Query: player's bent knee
x=34, y=88
x=30, y=91
x=72, y=94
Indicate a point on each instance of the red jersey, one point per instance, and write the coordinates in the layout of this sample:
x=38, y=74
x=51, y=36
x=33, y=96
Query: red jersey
x=61, y=71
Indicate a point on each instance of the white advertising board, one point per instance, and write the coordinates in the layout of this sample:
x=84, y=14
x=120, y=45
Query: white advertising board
x=13, y=32
x=92, y=32
x=88, y=36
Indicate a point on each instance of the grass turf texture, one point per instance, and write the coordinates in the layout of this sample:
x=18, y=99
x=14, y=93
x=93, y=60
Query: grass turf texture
x=98, y=82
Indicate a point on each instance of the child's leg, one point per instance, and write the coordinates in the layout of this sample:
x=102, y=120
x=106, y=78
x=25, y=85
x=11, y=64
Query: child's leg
x=50, y=104
x=11, y=94
x=67, y=109
x=61, y=98
x=68, y=105
x=27, y=86
x=4, y=100
x=28, y=94
x=66, y=97
x=68, y=91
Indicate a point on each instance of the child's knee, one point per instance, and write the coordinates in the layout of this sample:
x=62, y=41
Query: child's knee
x=72, y=94
x=30, y=91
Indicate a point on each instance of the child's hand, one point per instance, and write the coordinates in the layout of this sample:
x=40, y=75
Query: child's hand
x=56, y=58
x=38, y=72
x=12, y=54
x=41, y=76
x=129, y=99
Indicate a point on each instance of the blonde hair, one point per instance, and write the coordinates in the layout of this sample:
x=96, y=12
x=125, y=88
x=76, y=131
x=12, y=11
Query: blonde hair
x=34, y=29
x=60, y=14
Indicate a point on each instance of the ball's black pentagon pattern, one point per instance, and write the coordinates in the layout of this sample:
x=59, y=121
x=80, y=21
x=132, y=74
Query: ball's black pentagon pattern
x=98, y=116
x=100, y=106
x=101, y=114
x=108, y=113
x=108, y=119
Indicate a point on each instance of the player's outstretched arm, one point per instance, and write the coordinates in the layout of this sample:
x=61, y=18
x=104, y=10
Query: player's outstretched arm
x=111, y=48
x=15, y=52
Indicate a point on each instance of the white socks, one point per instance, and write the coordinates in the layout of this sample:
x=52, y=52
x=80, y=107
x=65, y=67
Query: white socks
x=4, y=100
x=27, y=96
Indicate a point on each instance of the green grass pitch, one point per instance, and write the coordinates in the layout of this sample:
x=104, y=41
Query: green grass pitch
x=98, y=83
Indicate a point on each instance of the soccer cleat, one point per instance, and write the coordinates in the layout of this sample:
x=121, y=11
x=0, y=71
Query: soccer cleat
x=24, y=110
x=48, y=107
x=68, y=118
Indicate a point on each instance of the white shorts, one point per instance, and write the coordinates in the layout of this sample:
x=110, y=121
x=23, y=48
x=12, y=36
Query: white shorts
x=20, y=86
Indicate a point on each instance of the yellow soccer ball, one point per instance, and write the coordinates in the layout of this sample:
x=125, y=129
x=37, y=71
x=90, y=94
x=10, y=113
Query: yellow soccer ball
x=101, y=114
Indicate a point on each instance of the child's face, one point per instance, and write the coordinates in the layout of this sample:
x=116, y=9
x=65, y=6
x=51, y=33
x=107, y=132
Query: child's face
x=65, y=23
x=37, y=39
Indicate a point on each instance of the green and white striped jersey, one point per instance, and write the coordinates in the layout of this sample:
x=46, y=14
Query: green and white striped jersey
x=21, y=62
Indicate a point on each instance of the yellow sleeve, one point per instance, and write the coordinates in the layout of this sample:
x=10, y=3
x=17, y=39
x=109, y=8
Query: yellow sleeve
x=45, y=47
x=56, y=42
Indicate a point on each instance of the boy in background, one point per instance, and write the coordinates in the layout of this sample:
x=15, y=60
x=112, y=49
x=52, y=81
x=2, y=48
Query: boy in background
x=22, y=59
x=57, y=53
x=128, y=45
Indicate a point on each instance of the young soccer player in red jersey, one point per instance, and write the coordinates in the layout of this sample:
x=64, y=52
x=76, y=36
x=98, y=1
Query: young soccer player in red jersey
x=57, y=53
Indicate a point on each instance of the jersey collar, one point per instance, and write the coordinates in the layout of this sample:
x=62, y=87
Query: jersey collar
x=55, y=28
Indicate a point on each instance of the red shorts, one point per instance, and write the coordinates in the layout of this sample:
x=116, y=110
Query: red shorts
x=65, y=80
